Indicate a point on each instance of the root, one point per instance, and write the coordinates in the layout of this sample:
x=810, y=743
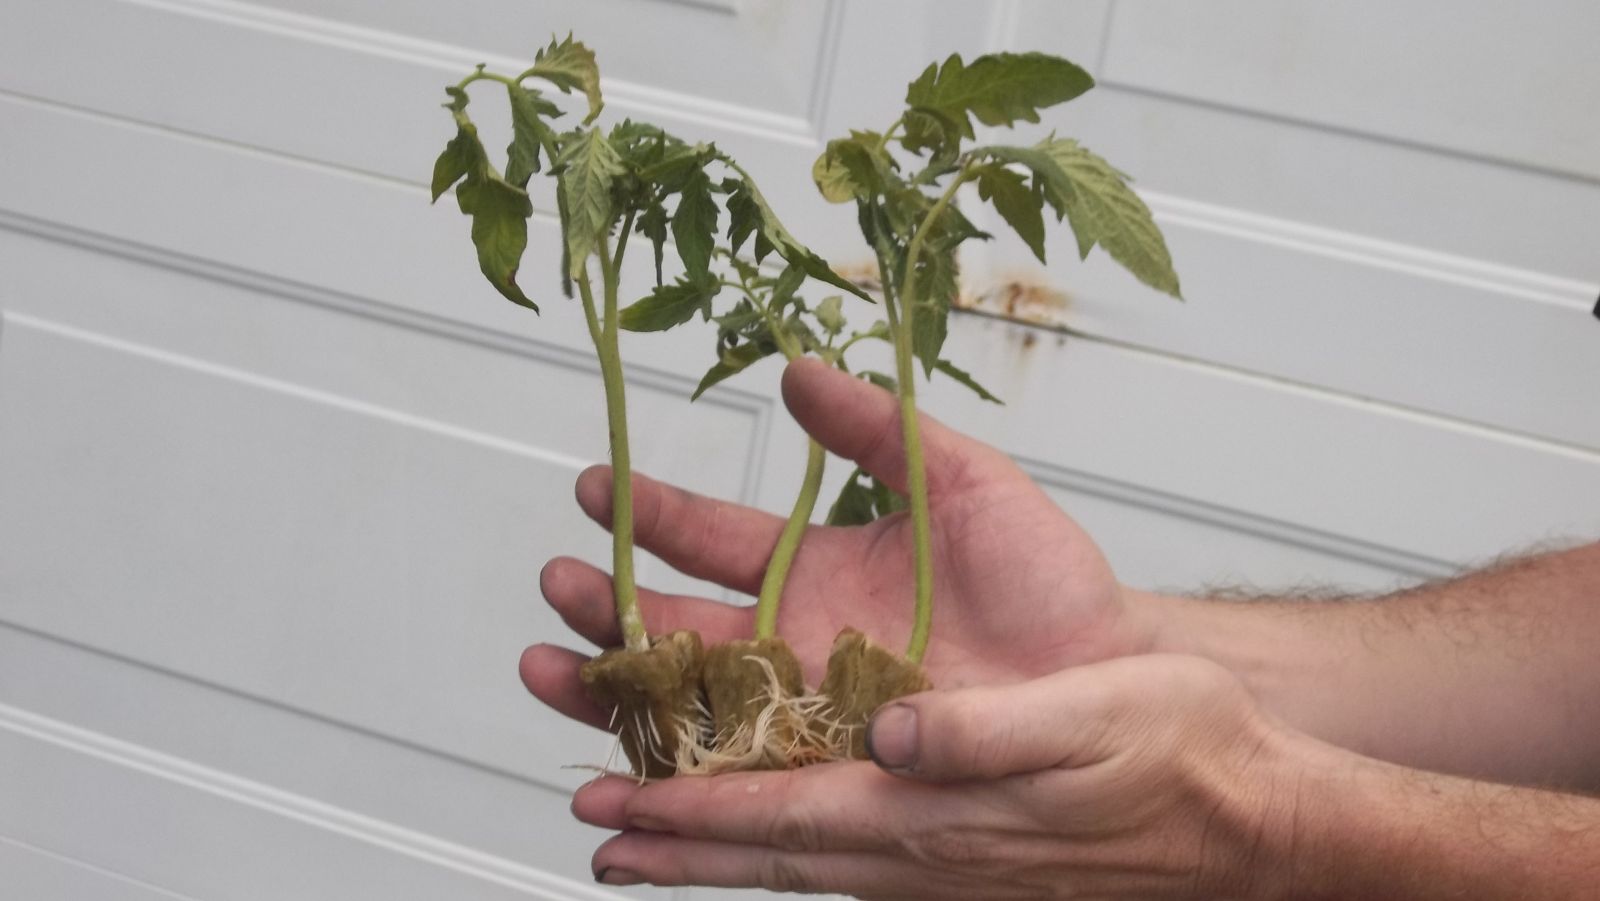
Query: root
x=789, y=731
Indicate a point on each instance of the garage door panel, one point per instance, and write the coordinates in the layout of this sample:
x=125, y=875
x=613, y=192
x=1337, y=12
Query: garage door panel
x=1495, y=81
x=173, y=527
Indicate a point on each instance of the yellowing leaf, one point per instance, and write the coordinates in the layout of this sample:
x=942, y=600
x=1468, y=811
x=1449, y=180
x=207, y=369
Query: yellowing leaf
x=589, y=166
x=569, y=65
x=1104, y=210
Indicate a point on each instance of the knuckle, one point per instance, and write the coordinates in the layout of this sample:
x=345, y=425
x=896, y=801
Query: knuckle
x=784, y=873
x=795, y=829
x=948, y=846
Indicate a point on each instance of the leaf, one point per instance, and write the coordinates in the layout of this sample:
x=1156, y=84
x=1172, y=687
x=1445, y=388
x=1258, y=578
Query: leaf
x=528, y=133
x=464, y=153
x=788, y=282
x=1104, y=210
x=965, y=378
x=930, y=320
x=1018, y=204
x=589, y=166
x=749, y=210
x=883, y=380
x=694, y=224
x=499, y=212
x=998, y=88
x=653, y=225
x=669, y=305
x=733, y=361
x=859, y=503
x=853, y=167
x=830, y=314
x=569, y=65
x=927, y=129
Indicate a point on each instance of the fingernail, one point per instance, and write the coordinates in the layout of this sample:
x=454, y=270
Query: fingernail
x=617, y=876
x=892, y=737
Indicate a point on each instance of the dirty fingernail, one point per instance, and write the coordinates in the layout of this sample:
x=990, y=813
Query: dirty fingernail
x=616, y=876
x=892, y=737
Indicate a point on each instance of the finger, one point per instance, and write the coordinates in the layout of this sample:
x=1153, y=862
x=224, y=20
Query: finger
x=706, y=538
x=551, y=675
x=583, y=596
x=860, y=421
x=836, y=807
x=643, y=857
x=603, y=802
x=994, y=732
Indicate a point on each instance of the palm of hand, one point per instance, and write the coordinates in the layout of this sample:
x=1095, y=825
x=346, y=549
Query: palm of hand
x=1021, y=591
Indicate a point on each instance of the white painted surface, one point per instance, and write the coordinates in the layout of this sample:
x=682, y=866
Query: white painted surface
x=277, y=471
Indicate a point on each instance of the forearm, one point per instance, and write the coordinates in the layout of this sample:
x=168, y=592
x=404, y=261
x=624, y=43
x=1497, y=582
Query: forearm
x=1360, y=828
x=1494, y=675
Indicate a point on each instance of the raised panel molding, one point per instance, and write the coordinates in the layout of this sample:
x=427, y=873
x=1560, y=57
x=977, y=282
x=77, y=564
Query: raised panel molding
x=251, y=829
x=1496, y=81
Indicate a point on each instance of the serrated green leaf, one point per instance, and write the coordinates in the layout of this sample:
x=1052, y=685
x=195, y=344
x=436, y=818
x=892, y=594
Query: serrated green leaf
x=939, y=283
x=589, y=167
x=749, y=210
x=569, y=65
x=743, y=214
x=1103, y=210
x=733, y=361
x=830, y=314
x=652, y=223
x=1018, y=204
x=528, y=132
x=669, y=305
x=499, y=212
x=965, y=378
x=694, y=224
x=998, y=88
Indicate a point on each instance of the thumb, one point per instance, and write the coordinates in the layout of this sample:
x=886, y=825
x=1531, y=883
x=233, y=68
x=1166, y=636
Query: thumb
x=995, y=731
x=861, y=422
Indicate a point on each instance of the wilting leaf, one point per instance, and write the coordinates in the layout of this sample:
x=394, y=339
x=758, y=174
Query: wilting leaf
x=965, y=378
x=528, y=133
x=749, y=211
x=694, y=224
x=1101, y=207
x=853, y=167
x=1019, y=205
x=1104, y=210
x=589, y=166
x=669, y=305
x=569, y=65
x=938, y=282
x=499, y=212
x=652, y=223
x=732, y=362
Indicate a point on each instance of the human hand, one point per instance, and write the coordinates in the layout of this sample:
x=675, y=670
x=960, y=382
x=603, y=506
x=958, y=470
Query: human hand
x=1150, y=777
x=1021, y=590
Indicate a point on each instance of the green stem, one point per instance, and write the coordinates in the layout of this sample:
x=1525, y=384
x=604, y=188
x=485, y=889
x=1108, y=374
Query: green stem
x=789, y=542
x=604, y=331
x=916, y=471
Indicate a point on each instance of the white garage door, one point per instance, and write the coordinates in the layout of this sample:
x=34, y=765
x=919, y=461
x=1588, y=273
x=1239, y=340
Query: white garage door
x=277, y=471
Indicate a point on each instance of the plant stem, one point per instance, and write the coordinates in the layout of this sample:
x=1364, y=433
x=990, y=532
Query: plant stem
x=794, y=529
x=916, y=471
x=788, y=545
x=604, y=333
